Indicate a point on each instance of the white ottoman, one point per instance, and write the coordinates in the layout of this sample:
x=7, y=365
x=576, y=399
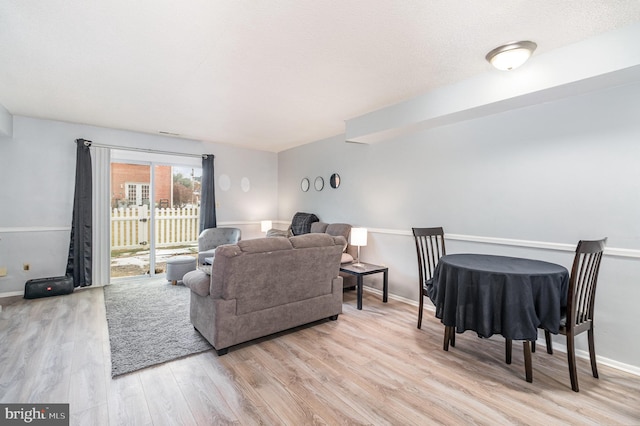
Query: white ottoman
x=178, y=266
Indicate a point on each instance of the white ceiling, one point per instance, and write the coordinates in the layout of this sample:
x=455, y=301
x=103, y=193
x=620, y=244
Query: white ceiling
x=264, y=74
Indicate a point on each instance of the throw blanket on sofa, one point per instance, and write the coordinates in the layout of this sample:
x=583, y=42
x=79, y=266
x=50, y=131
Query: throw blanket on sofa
x=301, y=223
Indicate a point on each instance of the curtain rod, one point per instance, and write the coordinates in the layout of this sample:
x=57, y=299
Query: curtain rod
x=152, y=151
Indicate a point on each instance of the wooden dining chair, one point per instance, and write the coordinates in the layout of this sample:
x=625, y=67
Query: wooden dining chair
x=430, y=248
x=578, y=316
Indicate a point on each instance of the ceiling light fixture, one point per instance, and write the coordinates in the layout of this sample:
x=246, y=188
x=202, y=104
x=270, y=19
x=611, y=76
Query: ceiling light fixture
x=511, y=55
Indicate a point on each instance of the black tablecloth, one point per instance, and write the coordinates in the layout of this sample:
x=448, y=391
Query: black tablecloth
x=499, y=295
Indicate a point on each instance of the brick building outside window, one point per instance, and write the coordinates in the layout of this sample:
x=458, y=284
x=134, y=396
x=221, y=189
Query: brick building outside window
x=130, y=185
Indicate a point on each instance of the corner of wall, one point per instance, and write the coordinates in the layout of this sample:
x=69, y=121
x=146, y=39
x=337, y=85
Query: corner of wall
x=6, y=122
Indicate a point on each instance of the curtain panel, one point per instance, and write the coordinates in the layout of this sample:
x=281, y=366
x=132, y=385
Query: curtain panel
x=208, y=197
x=80, y=244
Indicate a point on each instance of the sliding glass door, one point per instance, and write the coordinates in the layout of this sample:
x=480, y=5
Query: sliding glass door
x=130, y=219
x=177, y=213
x=154, y=215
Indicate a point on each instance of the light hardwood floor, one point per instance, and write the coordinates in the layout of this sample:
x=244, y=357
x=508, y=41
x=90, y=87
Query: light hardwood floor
x=368, y=367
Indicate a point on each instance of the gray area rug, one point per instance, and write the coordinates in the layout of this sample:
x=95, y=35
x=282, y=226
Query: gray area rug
x=149, y=324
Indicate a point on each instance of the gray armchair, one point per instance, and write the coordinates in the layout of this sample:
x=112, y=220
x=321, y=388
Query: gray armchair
x=211, y=238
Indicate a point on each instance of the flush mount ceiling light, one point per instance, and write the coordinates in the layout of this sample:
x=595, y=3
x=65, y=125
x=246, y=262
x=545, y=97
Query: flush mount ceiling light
x=511, y=55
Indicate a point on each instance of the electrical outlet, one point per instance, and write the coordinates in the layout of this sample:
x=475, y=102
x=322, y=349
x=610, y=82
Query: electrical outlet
x=3, y=271
x=26, y=266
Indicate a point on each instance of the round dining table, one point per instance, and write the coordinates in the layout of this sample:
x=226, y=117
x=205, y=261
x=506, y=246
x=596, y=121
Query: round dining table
x=491, y=294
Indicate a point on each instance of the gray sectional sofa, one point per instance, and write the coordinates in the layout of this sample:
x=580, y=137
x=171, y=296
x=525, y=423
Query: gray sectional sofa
x=263, y=286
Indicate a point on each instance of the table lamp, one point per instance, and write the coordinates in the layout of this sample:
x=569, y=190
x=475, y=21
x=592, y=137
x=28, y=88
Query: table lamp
x=265, y=225
x=358, y=238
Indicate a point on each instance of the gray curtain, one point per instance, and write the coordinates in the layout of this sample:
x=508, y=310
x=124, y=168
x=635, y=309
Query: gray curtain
x=208, y=198
x=80, y=245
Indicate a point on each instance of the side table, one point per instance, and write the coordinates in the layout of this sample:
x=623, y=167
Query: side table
x=367, y=269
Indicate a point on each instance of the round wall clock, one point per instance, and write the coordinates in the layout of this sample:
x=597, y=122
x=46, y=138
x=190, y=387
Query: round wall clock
x=245, y=184
x=304, y=185
x=225, y=182
x=334, y=180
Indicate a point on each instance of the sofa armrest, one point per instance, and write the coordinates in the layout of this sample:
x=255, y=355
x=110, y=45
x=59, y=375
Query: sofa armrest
x=198, y=282
x=204, y=254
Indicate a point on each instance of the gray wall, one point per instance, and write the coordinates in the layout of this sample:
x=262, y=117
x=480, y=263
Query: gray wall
x=37, y=171
x=525, y=181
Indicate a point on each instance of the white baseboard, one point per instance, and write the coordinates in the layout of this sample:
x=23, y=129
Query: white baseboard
x=11, y=294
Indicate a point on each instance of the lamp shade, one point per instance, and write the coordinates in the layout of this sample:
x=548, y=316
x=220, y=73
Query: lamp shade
x=265, y=225
x=358, y=236
x=511, y=55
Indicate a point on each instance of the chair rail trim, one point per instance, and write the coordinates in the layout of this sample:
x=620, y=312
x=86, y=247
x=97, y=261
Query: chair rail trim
x=547, y=245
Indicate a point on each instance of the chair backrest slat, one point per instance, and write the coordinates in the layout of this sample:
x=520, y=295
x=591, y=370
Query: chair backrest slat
x=583, y=281
x=430, y=248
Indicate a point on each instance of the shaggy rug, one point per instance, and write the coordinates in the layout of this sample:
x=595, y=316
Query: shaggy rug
x=149, y=324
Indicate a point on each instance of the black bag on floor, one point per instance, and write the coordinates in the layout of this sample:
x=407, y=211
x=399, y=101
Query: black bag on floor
x=44, y=287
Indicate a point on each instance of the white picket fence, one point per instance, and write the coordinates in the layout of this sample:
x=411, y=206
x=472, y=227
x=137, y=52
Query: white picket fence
x=173, y=227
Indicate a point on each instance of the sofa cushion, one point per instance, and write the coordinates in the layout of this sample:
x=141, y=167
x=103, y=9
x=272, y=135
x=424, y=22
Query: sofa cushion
x=252, y=271
x=279, y=233
x=346, y=258
x=336, y=229
x=340, y=229
x=312, y=240
x=224, y=255
x=319, y=227
x=261, y=245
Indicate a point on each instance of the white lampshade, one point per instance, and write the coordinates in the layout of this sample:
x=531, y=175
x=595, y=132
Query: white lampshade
x=358, y=236
x=511, y=55
x=265, y=225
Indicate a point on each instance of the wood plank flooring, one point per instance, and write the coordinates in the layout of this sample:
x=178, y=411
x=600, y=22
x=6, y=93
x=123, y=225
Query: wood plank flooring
x=368, y=367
